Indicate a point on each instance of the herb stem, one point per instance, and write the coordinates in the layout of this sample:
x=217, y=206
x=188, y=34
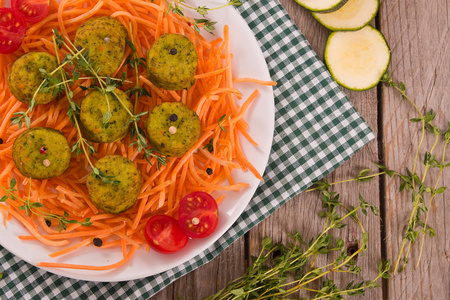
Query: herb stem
x=330, y=296
x=311, y=290
x=206, y=9
x=349, y=180
x=86, y=78
x=69, y=98
x=136, y=70
x=431, y=201
x=99, y=79
x=34, y=207
x=405, y=96
x=412, y=219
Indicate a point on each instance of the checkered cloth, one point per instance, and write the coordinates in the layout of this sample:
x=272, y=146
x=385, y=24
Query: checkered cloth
x=316, y=130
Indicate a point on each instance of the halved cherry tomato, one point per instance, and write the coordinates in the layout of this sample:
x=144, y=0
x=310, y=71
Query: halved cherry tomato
x=12, y=30
x=164, y=235
x=33, y=11
x=198, y=214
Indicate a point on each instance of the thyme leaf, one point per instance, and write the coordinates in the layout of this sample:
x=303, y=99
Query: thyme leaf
x=178, y=6
x=37, y=208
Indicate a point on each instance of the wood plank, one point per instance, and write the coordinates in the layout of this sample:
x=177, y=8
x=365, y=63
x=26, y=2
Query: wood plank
x=210, y=278
x=301, y=213
x=418, y=34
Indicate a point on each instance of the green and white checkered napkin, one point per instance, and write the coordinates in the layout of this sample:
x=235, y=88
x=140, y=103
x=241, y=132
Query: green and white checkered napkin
x=316, y=130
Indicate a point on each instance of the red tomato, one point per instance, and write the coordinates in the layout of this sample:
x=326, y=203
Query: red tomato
x=198, y=214
x=164, y=235
x=12, y=30
x=33, y=11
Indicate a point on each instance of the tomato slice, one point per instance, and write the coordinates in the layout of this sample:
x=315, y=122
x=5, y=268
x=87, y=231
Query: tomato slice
x=164, y=235
x=198, y=215
x=12, y=30
x=33, y=11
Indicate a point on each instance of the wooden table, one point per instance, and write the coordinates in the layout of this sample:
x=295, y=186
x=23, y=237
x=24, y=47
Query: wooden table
x=417, y=32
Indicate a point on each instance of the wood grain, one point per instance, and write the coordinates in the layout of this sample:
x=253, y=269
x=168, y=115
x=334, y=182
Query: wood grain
x=418, y=34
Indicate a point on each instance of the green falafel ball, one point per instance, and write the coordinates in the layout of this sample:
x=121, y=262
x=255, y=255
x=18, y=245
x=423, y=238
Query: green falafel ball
x=41, y=153
x=171, y=62
x=104, y=39
x=115, y=198
x=94, y=106
x=173, y=128
x=25, y=78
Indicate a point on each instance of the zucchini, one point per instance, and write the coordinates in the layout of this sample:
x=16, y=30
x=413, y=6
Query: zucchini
x=354, y=15
x=357, y=59
x=324, y=6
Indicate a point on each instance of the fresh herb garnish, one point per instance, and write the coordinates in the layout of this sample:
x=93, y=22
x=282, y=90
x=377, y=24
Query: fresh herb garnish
x=81, y=145
x=268, y=276
x=48, y=82
x=412, y=182
x=177, y=7
x=35, y=207
x=210, y=145
x=138, y=91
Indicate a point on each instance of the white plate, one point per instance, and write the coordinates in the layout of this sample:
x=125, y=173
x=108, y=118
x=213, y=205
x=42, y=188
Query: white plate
x=248, y=61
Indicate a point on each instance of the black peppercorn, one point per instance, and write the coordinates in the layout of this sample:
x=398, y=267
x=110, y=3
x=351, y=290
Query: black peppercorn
x=78, y=48
x=1, y=141
x=173, y=117
x=173, y=51
x=48, y=222
x=209, y=171
x=98, y=242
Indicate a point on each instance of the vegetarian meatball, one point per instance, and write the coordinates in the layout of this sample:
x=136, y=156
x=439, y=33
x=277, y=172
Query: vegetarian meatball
x=173, y=128
x=104, y=38
x=41, y=153
x=171, y=62
x=93, y=107
x=25, y=78
x=115, y=198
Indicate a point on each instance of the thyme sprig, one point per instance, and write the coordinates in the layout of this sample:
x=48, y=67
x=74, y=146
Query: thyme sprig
x=138, y=91
x=268, y=276
x=31, y=207
x=178, y=6
x=210, y=145
x=135, y=62
x=412, y=182
x=81, y=145
x=363, y=176
x=85, y=65
x=45, y=86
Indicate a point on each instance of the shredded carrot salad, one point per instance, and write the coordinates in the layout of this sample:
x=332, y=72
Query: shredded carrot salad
x=212, y=96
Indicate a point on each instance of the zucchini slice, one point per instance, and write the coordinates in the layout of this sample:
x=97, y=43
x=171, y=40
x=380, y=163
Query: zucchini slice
x=357, y=59
x=354, y=15
x=324, y=6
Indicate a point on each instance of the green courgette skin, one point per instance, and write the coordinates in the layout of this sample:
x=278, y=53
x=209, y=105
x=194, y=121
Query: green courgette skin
x=324, y=11
x=333, y=28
